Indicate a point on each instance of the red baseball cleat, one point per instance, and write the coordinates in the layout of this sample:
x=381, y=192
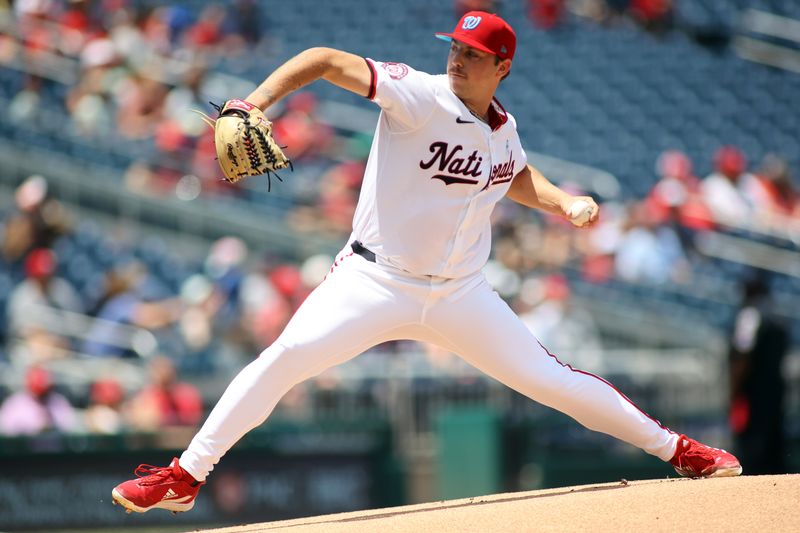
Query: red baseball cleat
x=170, y=488
x=694, y=459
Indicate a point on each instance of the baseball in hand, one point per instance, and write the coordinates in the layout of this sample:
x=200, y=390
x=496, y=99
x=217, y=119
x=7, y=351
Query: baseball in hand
x=579, y=213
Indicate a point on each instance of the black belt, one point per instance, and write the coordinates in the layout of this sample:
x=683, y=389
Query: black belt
x=359, y=249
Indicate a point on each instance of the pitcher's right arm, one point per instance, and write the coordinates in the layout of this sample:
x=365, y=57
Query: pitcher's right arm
x=343, y=69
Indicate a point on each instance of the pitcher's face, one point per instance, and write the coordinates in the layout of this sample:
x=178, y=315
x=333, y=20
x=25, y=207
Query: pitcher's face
x=472, y=71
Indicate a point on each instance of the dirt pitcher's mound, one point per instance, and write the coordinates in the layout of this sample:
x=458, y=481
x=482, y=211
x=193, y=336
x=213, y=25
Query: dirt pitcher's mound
x=749, y=503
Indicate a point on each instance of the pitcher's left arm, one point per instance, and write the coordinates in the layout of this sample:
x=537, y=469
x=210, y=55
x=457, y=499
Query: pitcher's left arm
x=530, y=188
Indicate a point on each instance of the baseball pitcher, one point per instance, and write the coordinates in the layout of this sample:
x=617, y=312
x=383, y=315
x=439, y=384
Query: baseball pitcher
x=445, y=152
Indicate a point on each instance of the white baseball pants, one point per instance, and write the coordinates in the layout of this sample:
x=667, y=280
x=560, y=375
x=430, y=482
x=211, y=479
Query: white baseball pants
x=361, y=304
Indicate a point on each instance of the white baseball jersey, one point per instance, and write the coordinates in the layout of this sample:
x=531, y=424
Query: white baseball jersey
x=433, y=176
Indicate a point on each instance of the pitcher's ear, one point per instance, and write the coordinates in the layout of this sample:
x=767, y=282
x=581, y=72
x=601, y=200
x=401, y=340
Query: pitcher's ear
x=504, y=68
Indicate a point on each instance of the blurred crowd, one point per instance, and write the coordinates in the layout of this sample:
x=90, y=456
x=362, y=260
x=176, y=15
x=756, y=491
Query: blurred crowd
x=140, y=71
x=653, y=240
x=219, y=315
x=103, y=407
x=232, y=303
x=652, y=15
x=230, y=290
x=655, y=16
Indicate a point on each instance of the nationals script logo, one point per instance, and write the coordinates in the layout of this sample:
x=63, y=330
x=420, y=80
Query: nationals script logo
x=455, y=168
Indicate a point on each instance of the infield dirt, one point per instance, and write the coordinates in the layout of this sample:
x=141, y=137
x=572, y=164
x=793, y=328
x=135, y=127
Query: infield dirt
x=747, y=503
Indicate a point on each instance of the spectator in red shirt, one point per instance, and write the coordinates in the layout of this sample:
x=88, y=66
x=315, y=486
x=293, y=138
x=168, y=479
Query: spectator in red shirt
x=464, y=6
x=676, y=196
x=165, y=402
x=722, y=189
x=653, y=15
x=545, y=14
x=300, y=129
x=771, y=192
x=104, y=413
x=37, y=408
x=75, y=27
x=207, y=31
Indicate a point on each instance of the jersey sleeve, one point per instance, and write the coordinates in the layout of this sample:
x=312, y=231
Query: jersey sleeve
x=407, y=96
x=523, y=158
x=523, y=155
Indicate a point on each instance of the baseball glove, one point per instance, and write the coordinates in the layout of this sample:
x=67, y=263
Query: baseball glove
x=244, y=143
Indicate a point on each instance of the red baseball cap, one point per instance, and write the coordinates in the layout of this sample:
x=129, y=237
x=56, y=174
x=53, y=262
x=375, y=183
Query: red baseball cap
x=730, y=161
x=484, y=31
x=40, y=263
x=37, y=380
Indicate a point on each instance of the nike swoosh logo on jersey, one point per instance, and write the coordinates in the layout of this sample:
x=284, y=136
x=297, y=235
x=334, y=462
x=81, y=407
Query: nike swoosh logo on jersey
x=462, y=121
x=449, y=180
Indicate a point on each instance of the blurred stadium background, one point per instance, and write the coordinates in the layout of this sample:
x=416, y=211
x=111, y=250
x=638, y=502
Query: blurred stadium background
x=134, y=283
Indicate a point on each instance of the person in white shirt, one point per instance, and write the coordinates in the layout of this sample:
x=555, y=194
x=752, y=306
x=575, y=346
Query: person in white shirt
x=444, y=153
x=723, y=189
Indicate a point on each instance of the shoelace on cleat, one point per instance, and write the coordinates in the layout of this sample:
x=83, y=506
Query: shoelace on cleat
x=151, y=475
x=696, y=457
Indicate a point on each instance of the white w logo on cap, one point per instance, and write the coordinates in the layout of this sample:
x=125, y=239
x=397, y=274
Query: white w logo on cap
x=470, y=23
